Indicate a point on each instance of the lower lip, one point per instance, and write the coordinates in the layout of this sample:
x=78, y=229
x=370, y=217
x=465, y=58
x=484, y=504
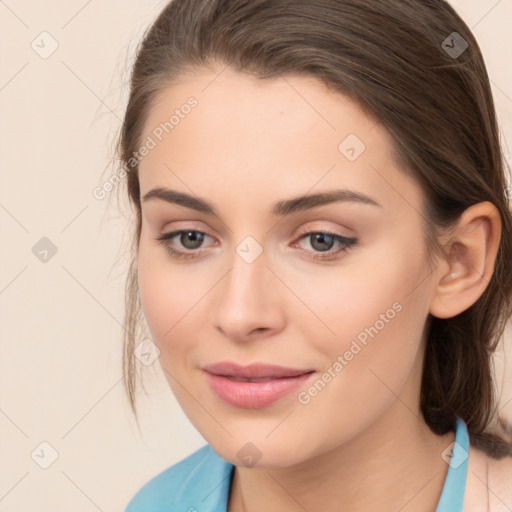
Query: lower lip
x=254, y=395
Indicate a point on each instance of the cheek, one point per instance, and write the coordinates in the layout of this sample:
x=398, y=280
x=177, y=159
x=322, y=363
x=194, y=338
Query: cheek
x=163, y=296
x=378, y=325
x=381, y=318
x=173, y=302
x=376, y=294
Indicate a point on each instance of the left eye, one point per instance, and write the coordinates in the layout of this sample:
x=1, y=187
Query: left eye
x=321, y=239
x=192, y=240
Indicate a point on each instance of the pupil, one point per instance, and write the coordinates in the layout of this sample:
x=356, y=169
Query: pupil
x=322, y=238
x=192, y=236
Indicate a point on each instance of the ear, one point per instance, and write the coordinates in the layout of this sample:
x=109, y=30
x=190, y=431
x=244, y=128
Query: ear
x=464, y=272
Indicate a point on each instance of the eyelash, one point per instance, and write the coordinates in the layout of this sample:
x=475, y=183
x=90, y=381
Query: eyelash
x=347, y=244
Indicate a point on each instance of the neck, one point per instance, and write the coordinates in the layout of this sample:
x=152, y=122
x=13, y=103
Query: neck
x=394, y=464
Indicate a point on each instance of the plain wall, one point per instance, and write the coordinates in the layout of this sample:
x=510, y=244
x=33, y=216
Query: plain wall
x=60, y=359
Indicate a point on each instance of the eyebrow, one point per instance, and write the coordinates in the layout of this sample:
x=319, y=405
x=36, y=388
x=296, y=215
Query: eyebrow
x=280, y=209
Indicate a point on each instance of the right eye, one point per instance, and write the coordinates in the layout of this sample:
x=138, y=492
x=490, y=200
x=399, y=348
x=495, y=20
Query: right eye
x=189, y=238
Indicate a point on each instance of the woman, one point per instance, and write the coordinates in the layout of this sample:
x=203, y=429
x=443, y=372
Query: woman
x=322, y=253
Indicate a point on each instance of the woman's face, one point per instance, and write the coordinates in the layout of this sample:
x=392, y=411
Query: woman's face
x=253, y=289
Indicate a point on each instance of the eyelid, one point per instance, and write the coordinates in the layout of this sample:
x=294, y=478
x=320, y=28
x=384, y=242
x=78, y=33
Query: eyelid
x=347, y=242
x=308, y=228
x=303, y=230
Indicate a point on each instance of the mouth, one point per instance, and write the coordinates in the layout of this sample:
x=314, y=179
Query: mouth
x=255, y=386
x=254, y=371
x=242, y=379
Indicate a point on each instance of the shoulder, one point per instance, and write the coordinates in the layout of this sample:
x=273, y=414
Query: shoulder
x=488, y=481
x=184, y=483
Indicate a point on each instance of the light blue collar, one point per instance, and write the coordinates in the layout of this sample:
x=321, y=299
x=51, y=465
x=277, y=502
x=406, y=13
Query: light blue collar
x=452, y=494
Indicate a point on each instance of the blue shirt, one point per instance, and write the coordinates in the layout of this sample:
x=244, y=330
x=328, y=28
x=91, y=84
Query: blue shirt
x=201, y=482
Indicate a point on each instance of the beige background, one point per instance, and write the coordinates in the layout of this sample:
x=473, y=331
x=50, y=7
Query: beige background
x=60, y=320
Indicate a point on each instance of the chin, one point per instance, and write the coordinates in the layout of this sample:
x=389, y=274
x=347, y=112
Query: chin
x=257, y=454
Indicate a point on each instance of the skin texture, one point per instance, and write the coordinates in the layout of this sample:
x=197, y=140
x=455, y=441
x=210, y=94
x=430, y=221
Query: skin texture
x=361, y=441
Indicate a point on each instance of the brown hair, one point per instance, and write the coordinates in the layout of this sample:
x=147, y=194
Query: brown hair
x=393, y=58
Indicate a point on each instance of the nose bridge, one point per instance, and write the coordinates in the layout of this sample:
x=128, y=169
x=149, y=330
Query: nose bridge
x=248, y=272
x=247, y=298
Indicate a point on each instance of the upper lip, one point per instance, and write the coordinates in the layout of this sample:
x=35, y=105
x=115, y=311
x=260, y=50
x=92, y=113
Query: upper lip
x=253, y=371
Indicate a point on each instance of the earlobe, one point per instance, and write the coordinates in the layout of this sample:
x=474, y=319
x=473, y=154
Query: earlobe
x=468, y=264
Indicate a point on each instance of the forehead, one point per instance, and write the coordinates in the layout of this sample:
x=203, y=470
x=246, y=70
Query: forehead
x=288, y=134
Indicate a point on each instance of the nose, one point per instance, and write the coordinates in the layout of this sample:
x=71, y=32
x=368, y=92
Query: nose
x=249, y=301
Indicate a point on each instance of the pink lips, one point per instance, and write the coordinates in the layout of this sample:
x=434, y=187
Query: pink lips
x=253, y=386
